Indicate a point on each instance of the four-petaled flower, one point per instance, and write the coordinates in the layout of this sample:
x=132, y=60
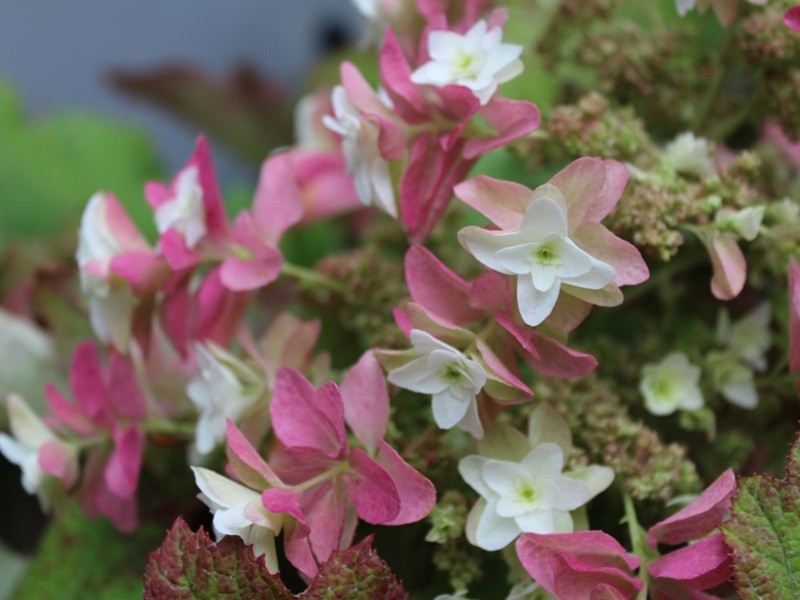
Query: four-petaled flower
x=477, y=60
x=670, y=385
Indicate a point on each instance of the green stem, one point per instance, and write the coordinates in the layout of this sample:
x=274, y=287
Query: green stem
x=170, y=428
x=322, y=477
x=725, y=62
x=310, y=278
x=634, y=531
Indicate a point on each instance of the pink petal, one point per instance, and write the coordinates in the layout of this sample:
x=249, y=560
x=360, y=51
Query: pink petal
x=144, y=271
x=437, y=288
x=289, y=342
x=730, y=268
x=219, y=311
x=427, y=185
x=699, y=517
x=176, y=252
x=371, y=489
x=558, y=360
x=503, y=202
x=568, y=313
x=622, y=256
x=123, y=388
x=407, y=98
x=500, y=372
x=792, y=18
x=403, y=321
x=458, y=104
x=794, y=316
x=327, y=188
x=510, y=119
x=417, y=494
x=122, y=469
x=246, y=464
x=699, y=566
x=262, y=267
x=584, y=185
x=325, y=509
x=307, y=418
x=359, y=91
x=278, y=500
x=175, y=311
x=216, y=220
x=366, y=401
x=88, y=383
x=589, y=548
x=124, y=230
x=491, y=292
x=66, y=413
x=278, y=203
x=57, y=460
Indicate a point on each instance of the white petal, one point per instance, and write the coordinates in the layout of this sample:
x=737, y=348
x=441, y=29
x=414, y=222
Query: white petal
x=418, y=377
x=450, y=406
x=471, y=469
x=543, y=216
x=573, y=493
x=222, y=491
x=536, y=521
x=545, y=460
x=597, y=277
x=535, y=306
x=493, y=531
x=471, y=423
x=484, y=245
x=503, y=477
x=597, y=478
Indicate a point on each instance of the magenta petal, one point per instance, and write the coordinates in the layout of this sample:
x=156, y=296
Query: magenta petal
x=56, y=460
x=403, y=320
x=88, y=383
x=175, y=251
x=123, y=388
x=122, y=469
x=143, y=270
x=366, y=401
x=792, y=18
x=503, y=202
x=699, y=566
x=510, y=119
x=278, y=500
x=325, y=509
x=303, y=417
x=500, y=371
x=212, y=198
x=65, y=412
x=246, y=464
x=156, y=194
x=359, y=91
x=219, y=310
x=122, y=226
x=327, y=187
x=261, y=267
x=436, y=288
x=730, y=268
x=371, y=489
x=406, y=96
x=278, y=202
x=491, y=292
x=622, y=256
x=122, y=512
x=417, y=494
x=698, y=518
x=459, y=104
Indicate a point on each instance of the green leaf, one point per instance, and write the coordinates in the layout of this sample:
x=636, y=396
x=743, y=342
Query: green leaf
x=764, y=534
x=190, y=566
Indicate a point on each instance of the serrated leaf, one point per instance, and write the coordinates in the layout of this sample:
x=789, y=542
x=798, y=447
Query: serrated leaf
x=357, y=573
x=190, y=566
x=764, y=534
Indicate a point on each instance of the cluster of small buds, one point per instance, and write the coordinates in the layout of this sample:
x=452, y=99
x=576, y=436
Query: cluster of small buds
x=766, y=42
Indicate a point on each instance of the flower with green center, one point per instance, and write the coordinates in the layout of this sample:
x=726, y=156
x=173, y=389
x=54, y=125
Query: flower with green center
x=670, y=385
x=477, y=60
x=749, y=337
x=542, y=256
x=452, y=379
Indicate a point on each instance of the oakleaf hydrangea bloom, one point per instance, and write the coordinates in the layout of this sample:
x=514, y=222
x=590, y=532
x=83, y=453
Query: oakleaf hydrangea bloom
x=749, y=337
x=239, y=511
x=527, y=493
x=184, y=211
x=542, y=256
x=218, y=394
x=360, y=147
x=477, y=60
x=36, y=450
x=670, y=385
x=690, y=155
x=451, y=378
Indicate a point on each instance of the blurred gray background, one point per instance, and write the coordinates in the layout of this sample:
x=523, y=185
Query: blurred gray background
x=57, y=53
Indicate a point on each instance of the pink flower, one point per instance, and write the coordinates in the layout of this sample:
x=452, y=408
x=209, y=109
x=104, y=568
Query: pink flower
x=189, y=213
x=792, y=18
x=580, y=566
x=314, y=456
x=108, y=404
x=702, y=565
x=551, y=241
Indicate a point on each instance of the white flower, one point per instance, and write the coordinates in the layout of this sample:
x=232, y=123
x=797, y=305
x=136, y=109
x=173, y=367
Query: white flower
x=532, y=496
x=218, y=395
x=185, y=212
x=451, y=378
x=238, y=511
x=690, y=155
x=30, y=434
x=670, y=385
x=749, y=337
x=733, y=380
x=745, y=223
x=477, y=60
x=370, y=170
x=542, y=256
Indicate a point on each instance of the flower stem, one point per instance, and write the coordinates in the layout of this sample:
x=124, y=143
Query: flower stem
x=169, y=428
x=637, y=545
x=309, y=278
